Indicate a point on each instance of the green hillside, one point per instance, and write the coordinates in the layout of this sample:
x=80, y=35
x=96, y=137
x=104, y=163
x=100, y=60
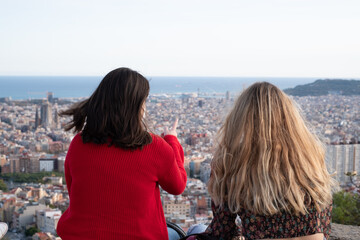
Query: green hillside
x=325, y=87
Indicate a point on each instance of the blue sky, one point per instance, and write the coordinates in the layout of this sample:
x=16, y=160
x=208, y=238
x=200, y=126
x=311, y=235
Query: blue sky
x=272, y=38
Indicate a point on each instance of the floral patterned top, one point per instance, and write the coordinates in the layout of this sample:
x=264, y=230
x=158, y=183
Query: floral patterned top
x=282, y=225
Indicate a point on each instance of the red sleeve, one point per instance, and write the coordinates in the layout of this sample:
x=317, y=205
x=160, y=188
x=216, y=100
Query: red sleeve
x=67, y=175
x=68, y=158
x=173, y=179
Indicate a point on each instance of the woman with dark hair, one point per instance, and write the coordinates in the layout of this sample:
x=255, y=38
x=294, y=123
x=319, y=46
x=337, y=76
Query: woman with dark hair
x=114, y=166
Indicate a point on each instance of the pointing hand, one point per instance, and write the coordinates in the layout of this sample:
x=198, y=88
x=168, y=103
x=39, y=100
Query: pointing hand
x=172, y=130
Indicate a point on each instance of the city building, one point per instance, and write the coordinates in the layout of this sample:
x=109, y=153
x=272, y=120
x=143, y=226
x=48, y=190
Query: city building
x=50, y=97
x=176, y=204
x=14, y=164
x=48, y=164
x=195, y=164
x=7, y=207
x=47, y=219
x=3, y=160
x=342, y=159
x=46, y=115
x=45, y=236
x=25, y=215
x=37, y=119
x=29, y=164
x=54, y=180
x=205, y=170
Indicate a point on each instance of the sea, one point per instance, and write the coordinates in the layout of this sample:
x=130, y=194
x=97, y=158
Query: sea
x=36, y=87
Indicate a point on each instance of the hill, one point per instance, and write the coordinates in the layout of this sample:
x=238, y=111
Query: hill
x=325, y=87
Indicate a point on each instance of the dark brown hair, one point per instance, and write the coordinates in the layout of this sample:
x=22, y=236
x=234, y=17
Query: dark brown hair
x=113, y=113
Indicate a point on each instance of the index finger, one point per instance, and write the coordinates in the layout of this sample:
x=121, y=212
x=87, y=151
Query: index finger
x=175, y=124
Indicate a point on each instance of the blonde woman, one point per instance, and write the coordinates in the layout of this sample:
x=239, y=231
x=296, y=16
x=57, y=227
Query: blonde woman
x=269, y=170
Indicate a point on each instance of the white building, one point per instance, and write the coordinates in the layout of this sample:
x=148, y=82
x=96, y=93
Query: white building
x=47, y=219
x=54, y=180
x=51, y=223
x=25, y=215
x=341, y=159
x=48, y=164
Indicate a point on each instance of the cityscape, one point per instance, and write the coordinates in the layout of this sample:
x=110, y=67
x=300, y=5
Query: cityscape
x=33, y=141
x=198, y=56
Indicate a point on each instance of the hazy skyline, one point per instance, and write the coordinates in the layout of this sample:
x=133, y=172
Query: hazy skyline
x=276, y=38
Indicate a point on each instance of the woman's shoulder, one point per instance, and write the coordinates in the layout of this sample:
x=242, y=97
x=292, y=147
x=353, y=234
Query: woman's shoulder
x=156, y=139
x=77, y=139
x=75, y=143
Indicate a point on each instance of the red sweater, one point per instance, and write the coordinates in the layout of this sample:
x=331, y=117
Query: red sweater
x=114, y=193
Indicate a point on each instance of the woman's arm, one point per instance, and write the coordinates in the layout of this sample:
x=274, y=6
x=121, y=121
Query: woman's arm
x=173, y=180
x=76, y=140
x=68, y=178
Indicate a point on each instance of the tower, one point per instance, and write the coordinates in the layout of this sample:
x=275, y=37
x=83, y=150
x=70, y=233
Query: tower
x=50, y=97
x=37, y=119
x=46, y=115
x=200, y=103
x=56, y=119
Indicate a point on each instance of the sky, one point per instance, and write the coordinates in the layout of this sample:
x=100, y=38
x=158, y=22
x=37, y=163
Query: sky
x=253, y=38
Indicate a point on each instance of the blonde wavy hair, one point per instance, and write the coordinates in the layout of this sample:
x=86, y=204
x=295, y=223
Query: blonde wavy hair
x=267, y=160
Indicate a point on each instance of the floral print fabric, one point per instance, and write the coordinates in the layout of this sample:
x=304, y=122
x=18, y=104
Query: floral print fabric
x=281, y=225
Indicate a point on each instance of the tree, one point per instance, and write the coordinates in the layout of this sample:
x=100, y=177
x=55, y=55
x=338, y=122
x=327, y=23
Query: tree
x=346, y=208
x=3, y=186
x=29, y=177
x=52, y=206
x=46, y=181
x=31, y=231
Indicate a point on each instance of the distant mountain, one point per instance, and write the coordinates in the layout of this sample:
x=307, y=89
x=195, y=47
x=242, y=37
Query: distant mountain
x=325, y=87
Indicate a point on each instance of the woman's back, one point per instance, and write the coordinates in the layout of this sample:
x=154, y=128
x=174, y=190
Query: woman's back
x=115, y=191
x=282, y=225
x=269, y=169
x=114, y=166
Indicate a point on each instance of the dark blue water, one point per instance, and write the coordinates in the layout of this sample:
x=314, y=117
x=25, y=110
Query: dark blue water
x=32, y=87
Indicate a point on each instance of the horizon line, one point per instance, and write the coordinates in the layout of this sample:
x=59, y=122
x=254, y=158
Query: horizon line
x=196, y=76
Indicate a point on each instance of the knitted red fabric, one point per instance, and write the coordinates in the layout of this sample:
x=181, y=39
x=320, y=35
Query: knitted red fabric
x=114, y=193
